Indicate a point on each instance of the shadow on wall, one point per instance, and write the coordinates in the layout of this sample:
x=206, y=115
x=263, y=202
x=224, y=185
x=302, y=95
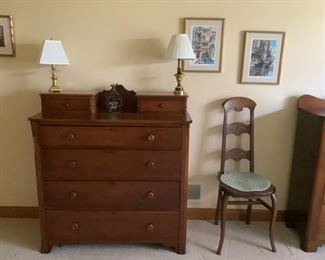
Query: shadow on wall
x=274, y=141
x=274, y=144
x=208, y=155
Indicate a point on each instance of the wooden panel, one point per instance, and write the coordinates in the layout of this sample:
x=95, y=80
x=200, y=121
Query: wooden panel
x=321, y=226
x=110, y=164
x=112, y=195
x=147, y=137
x=72, y=226
x=18, y=212
x=306, y=193
x=162, y=106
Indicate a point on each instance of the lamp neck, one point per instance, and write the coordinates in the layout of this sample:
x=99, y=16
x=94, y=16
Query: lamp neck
x=179, y=76
x=54, y=75
x=179, y=67
x=54, y=87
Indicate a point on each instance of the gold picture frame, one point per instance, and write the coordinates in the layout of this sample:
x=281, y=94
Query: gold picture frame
x=262, y=57
x=7, y=40
x=206, y=36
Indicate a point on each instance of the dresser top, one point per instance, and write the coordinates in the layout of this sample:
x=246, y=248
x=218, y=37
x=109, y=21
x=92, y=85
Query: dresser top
x=119, y=119
x=90, y=108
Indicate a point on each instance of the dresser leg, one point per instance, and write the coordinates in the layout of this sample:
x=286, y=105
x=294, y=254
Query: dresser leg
x=309, y=246
x=45, y=248
x=181, y=250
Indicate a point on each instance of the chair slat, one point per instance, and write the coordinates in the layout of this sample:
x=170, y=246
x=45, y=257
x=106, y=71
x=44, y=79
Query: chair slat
x=238, y=128
x=237, y=154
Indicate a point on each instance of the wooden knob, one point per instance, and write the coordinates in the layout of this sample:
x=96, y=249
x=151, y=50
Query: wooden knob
x=150, y=227
x=150, y=164
x=162, y=105
x=150, y=195
x=67, y=105
x=151, y=138
x=72, y=164
x=73, y=195
x=75, y=226
x=70, y=136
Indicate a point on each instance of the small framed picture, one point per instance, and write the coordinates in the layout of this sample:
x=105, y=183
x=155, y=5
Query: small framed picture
x=206, y=36
x=7, y=41
x=262, y=57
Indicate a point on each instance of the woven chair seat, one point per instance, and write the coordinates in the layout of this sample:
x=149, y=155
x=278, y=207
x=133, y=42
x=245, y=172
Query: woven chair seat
x=245, y=181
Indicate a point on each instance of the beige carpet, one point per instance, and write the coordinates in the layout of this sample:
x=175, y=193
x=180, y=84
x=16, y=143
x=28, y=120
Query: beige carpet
x=20, y=239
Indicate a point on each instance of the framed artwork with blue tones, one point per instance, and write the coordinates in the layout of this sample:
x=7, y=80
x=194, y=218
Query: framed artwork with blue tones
x=206, y=36
x=262, y=57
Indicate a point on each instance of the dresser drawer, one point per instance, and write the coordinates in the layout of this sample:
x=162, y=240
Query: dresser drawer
x=144, y=137
x=142, y=227
x=162, y=106
x=161, y=102
x=60, y=105
x=71, y=164
x=112, y=195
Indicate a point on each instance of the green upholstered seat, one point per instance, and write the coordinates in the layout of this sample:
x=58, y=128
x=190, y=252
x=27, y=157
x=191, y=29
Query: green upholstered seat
x=245, y=181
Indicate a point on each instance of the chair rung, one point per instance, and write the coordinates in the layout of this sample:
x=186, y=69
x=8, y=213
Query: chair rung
x=240, y=202
x=266, y=205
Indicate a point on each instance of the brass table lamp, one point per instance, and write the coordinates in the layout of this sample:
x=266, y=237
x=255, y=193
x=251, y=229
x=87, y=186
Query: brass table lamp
x=53, y=54
x=180, y=48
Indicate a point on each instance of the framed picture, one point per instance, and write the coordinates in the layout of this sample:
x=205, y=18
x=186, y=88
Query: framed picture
x=206, y=36
x=262, y=57
x=7, y=41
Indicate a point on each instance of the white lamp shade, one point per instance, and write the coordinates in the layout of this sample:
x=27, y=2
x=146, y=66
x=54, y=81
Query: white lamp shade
x=53, y=53
x=180, y=48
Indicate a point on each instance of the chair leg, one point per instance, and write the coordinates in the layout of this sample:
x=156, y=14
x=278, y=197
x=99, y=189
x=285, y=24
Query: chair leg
x=273, y=217
x=225, y=198
x=249, y=214
x=216, y=218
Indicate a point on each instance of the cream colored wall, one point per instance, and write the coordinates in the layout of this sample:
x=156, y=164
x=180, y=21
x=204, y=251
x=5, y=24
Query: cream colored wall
x=124, y=41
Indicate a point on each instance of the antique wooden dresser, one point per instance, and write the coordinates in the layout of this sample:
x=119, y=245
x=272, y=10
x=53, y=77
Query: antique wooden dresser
x=306, y=203
x=112, y=177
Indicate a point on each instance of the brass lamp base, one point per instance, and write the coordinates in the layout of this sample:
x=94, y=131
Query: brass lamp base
x=54, y=88
x=179, y=90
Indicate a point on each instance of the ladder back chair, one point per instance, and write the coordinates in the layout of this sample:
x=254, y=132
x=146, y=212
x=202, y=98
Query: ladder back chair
x=245, y=185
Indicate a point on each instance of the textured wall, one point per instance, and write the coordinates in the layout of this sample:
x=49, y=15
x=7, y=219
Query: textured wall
x=124, y=41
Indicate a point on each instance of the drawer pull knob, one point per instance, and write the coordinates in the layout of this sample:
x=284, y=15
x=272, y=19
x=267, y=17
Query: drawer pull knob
x=150, y=195
x=72, y=164
x=162, y=105
x=67, y=105
x=150, y=227
x=73, y=195
x=150, y=164
x=151, y=138
x=75, y=226
x=70, y=136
